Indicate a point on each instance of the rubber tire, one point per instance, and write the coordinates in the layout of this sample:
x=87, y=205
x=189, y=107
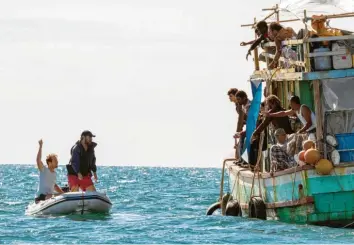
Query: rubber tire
x=213, y=208
x=233, y=208
x=257, y=208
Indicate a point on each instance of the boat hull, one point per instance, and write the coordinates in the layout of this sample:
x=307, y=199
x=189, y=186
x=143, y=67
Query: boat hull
x=298, y=195
x=72, y=202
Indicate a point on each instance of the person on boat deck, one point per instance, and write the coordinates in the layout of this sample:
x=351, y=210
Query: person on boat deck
x=305, y=115
x=242, y=99
x=274, y=105
x=262, y=32
x=82, y=164
x=279, y=33
x=47, y=176
x=280, y=155
x=232, y=96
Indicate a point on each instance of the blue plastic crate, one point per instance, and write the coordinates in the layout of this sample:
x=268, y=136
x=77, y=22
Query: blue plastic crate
x=346, y=142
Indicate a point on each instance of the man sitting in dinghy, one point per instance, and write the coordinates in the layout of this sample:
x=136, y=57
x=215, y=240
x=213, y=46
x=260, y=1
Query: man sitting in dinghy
x=47, y=176
x=82, y=164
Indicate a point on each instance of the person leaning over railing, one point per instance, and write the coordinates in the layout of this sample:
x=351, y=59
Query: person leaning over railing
x=279, y=34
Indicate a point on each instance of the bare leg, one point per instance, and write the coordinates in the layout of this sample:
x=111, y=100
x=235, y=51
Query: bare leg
x=91, y=188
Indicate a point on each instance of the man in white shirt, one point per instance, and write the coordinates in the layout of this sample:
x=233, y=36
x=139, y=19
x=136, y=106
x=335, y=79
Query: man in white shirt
x=47, y=176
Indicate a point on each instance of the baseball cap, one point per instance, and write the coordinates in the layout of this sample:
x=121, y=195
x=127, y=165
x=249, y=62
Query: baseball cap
x=87, y=133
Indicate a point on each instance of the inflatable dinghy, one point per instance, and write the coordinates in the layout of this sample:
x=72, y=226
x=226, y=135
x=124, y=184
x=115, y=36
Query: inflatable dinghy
x=72, y=202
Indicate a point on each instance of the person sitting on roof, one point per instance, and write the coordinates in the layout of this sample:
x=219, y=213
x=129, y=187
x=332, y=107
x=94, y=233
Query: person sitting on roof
x=280, y=155
x=305, y=115
x=279, y=34
x=47, y=176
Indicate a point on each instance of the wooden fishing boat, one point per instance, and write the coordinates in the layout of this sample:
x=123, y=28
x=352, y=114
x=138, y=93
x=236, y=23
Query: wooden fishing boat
x=302, y=194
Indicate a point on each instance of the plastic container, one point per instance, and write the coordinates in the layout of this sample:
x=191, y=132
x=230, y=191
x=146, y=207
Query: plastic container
x=322, y=63
x=346, y=142
x=341, y=61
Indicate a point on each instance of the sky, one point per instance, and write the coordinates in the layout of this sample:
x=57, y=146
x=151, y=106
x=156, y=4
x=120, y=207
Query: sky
x=148, y=77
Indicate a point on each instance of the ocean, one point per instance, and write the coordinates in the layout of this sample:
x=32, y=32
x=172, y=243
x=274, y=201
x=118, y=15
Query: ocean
x=150, y=205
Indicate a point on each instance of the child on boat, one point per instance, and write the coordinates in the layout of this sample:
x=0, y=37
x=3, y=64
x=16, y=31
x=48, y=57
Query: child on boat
x=47, y=176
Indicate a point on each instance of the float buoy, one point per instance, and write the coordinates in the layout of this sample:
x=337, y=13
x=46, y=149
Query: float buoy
x=312, y=156
x=233, y=208
x=302, y=156
x=257, y=208
x=324, y=167
x=308, y=144
x=213, y=208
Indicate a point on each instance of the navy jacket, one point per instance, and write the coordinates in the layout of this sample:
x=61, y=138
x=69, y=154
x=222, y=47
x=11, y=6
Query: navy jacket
x=82, y=161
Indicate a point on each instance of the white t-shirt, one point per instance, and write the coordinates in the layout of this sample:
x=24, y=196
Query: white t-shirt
x=47, y=180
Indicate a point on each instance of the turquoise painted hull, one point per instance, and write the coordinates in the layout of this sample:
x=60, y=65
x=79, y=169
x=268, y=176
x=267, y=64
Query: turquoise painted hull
x=298, y=195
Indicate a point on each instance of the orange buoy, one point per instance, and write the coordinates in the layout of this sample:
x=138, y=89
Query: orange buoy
x=324, y=167
x=308, y=144
x=302, y=156
x=312, y=156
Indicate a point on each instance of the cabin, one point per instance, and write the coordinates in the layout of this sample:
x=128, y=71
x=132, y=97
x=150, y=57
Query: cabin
x=320, y=70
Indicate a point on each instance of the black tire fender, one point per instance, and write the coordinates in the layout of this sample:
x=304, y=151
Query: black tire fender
x=233, y=208
x=257, y=208
x=213, y=208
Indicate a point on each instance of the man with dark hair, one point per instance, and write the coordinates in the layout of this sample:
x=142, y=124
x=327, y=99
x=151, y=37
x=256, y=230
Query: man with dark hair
x=303, y=112
x=262, y=30
x=82, y=164
x=240, y=121
x=242, y=99
x=273, y=104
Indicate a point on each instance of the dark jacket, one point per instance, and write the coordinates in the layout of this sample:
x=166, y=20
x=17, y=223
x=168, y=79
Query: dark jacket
x=82, y=161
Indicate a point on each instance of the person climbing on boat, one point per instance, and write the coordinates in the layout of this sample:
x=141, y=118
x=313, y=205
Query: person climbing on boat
x=280, y=154
x=303, y=112
x=82, y=164
x=274, y=106
x=47, y=175
x=279, y=34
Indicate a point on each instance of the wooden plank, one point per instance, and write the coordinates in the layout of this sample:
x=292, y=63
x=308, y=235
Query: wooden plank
x=311, y=40
x=305, y=76
x=331, y=74
x=298, y=63
x=299, y=202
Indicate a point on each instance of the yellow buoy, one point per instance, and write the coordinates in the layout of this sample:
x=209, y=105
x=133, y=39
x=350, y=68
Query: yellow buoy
x=324, y=167
x=312, y=156
x=308, y=144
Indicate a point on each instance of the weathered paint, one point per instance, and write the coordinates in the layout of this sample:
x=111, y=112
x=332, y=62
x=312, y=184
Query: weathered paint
x=333, y=195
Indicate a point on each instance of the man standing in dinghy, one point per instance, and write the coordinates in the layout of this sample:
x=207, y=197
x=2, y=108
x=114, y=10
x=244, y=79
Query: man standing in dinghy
x=47, y=176
x=82, y=164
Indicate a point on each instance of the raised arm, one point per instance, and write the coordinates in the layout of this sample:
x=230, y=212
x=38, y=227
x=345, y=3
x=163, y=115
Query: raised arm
x=39, y=156
x=281, y=113
x=306, y=113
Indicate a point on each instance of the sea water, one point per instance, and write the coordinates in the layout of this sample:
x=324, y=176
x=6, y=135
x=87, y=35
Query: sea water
x=150, y=205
